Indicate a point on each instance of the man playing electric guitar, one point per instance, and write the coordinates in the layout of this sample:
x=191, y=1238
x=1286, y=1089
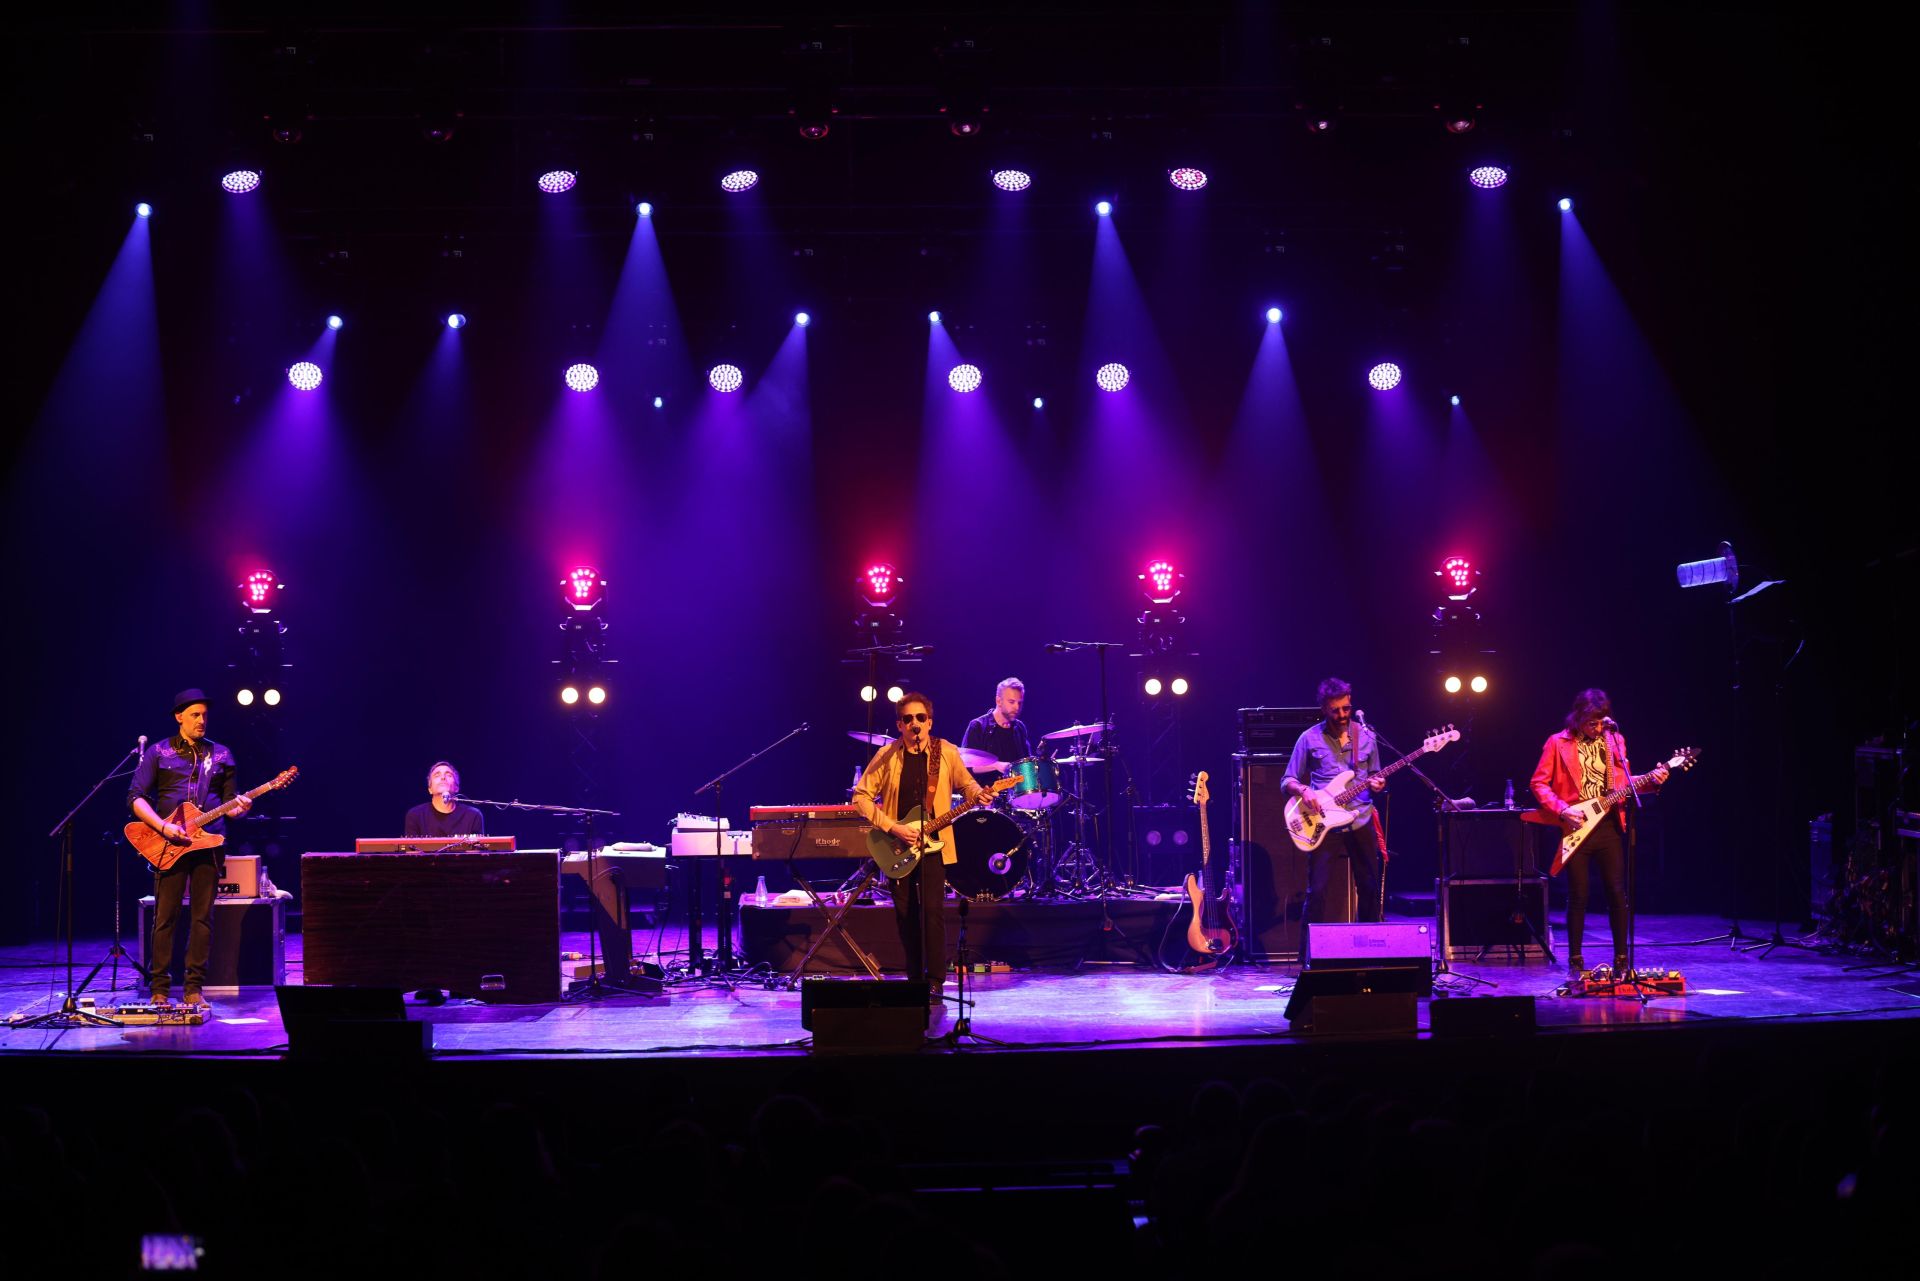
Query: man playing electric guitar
x=186, y=767
x=1321, y=753
x=918, y=771
x=1584, y=760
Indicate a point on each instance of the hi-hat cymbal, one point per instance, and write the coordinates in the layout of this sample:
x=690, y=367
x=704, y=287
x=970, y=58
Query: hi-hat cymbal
x=1076, y=731
x=1079, y=760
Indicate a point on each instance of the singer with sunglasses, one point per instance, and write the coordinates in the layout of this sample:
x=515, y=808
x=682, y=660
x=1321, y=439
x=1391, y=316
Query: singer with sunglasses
x=918, y=770
x=1582, y=760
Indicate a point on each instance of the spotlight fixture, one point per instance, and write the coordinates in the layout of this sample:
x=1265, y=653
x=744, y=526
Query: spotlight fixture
x=1319, y=124
x=1724, y=568
x=1566, y=204
x=1384, y=376
x=256, y=591
x=1012, y=179
x=335, y=322
x=555, y=181
x=933, y=317
x=1454, y=401
x=1112, y=377
x=271, y=698
x=868, y=693
x=304, y=375
x=456, y=321
x=1453, y=684
x=1457, y=573
x=584, y=589
x=1039, y=402
x=895, y=693
x=1152, y=687
x=582, y=377
x=1187, y=179
x=964, y=378
x=143, y=209
x=1487, y=177
x=1161, y=581
x=569, y=694
x=1179, y=686
x=725, y=379
x=244, y=698
x=644, y=209
x=596, y=694
x=738, y=181
x=1478, y=684
x=659, y=402
x=239, y=182
x=1104, y=208
x=802, y=319
x=1273, y=315
x=880, y=584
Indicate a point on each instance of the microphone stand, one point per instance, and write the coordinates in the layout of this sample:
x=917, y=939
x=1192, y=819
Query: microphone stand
x=70, y=1015
x=1107, y=925
x=723, y=947
x=595, y=987
x=1443, y=805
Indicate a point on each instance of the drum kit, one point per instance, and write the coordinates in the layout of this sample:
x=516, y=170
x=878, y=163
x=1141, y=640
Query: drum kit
x=1006, y=851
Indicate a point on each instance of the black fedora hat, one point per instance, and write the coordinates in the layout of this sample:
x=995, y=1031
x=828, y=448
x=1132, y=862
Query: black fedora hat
x=187, y=698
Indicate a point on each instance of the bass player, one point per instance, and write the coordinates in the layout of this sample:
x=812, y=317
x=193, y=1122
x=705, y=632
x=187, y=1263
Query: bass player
x=1320, y=754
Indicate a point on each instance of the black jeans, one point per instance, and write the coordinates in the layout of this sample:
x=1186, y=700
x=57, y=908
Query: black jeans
x=1357, y=846
x=923, y=935
x=1605, y=850
x=199, y=875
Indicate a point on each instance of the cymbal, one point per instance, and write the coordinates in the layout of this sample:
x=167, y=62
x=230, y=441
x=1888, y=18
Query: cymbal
x=1076, y=731
x=975, y=759
x=1079, y=760
x=878, y=740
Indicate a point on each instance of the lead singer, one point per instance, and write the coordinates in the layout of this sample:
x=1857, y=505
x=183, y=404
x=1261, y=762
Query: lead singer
x=918, y=770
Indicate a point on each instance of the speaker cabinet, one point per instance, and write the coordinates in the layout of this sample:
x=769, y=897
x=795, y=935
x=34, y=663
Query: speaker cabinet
x=1168, y=837
x=1496, y=920
x=864, y=1014
x=1273, y=874
x=1485, y=844
x=1481, y=1016
x=1380, y=999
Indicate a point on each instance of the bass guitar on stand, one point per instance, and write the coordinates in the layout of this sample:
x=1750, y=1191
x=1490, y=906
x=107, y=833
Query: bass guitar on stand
x=1208, y=938
x=1309, y=830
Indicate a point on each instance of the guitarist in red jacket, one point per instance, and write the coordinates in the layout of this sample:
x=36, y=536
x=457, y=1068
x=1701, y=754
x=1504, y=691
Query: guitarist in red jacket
x=186, y=767
x=1584, y=760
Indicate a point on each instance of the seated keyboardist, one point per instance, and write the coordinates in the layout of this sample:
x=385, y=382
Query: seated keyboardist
x=441, y=815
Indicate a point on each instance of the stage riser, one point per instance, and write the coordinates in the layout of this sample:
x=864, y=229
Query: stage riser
x=1021, y=935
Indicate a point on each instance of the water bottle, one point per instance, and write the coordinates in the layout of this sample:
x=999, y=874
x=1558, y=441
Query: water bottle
x=760, y=892
x=1509, y=793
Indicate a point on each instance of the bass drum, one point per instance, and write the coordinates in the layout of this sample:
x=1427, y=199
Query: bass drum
x=990, y=852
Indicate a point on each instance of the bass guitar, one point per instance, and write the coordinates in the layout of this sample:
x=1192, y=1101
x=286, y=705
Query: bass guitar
x=1209, y=937
x=1590, y=813
x=163, y=853
x=1309, y=830
x=898, y=857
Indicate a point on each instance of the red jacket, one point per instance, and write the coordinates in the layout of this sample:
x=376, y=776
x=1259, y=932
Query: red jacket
x=1556, y=779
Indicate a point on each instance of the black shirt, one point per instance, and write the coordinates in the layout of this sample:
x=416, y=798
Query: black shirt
x=424, y=820
x=174, y=770
x=1011, y=743
x=913, y=782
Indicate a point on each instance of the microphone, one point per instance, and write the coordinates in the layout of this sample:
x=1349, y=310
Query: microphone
x=1054, y=647
x=804, y=727
x=143, y=747
x=917, y=649
x=1360, y=714
x=1607, y=722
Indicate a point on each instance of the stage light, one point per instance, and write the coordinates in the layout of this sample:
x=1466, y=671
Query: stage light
x=895, y=693
x=456, y=321
x=644, y=209
x=933, y=317
x=1012, y=179
x=1039, y=402
x=582, y=377
x=725, y=379
x=738, y=181
x=1179, y=686
x=880, y=584
x=1111, y=377
x=1160, y=581
x=257, y=591
x=1487, y=177
x=244, y=698
x=1454, y=401
x=802, y=319
x=1187, y=179
x=1453, y=684
x=143, y=209
x=1724, y=568
x=569, y=694
x=304, y=375
x=1320, y=124
x=1104, y=208
x=659, y=402
x=1460, y=124
x=240, y=181
x=555, y=181
x=271, y=698
x=1458, y=574
x=596, y=694
x=583, y=588
x=1566, y=205
x=964, y=378
x=1478, y=684
x=1152, y=687
x=1273, y=315
x=1384, y=376
x=335, y=322
x=868, y=693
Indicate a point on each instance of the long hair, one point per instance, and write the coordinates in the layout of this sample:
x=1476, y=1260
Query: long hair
x=1587, y=704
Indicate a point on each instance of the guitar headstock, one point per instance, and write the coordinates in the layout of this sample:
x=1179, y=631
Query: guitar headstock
x=1000, y=785
x=1197, y=789
x=1683, y=758
x=1439, y=738
x=285, y=777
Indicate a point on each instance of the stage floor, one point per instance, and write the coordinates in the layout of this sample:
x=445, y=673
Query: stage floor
x=1098, y=1006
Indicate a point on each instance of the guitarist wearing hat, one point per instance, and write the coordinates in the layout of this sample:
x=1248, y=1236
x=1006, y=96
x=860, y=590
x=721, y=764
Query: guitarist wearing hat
x=186, y=767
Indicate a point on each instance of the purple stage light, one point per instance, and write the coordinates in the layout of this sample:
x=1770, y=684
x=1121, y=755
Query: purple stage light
x=456, y=321
x=1104, y=208
x=1454, y=401
x=725, y=379
x=1273, y=315
x=1566, y=205
x=304, y=376
x=644, y=209
x=964, y=378
x=802, y=319
x=335, y=322
x=1112, y=377
x=143, y=209
x=1384, y=376
x=738, y=181
x=1188, y=179
x=1012, y=179
x=241, y=181
x=582, y=377
x=933, y=317
x=1039, y=402
x=1487, y=177
x=659, y=402
x=555, y=181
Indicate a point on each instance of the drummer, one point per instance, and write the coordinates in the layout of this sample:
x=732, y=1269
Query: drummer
x=1001, y=732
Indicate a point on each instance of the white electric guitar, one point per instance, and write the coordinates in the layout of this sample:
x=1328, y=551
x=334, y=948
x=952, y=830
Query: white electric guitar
x=1308, y=830
x=1590, y=813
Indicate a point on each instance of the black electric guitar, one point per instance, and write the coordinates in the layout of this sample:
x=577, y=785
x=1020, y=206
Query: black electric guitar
x=898, y=858
x=1207, y=939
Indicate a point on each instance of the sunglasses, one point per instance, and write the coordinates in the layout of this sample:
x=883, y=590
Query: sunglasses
x=908, y=718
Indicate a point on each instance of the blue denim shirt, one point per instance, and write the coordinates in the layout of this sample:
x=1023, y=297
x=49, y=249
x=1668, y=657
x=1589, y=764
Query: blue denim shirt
x=1315, y=762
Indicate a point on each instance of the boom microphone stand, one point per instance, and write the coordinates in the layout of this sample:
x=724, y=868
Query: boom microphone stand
x=723, y=946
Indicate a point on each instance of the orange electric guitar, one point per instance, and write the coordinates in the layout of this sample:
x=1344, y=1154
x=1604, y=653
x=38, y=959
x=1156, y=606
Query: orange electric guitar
x=163, y=853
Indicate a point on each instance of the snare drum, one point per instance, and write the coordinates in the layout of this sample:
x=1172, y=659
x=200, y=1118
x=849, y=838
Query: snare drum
x=1038, y=788
x=990, y=855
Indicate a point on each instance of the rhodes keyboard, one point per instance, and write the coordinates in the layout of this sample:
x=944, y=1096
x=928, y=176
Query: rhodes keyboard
x=808, y=831
x=794, y=813
x=433, y=845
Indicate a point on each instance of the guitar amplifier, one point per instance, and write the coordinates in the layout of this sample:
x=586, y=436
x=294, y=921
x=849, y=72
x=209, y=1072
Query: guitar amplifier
x=1490, y=843
x=1273, y=730
x=1489, y=919
x=241, y=879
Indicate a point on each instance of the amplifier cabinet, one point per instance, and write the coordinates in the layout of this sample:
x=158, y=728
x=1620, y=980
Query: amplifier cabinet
x=1477, y=919
x=482, y=925
x=249, y=941
x=1490, y=843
